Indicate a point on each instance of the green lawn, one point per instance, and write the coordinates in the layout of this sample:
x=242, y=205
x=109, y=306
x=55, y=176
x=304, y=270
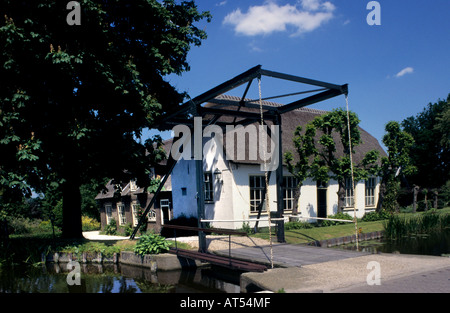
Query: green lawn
x=298, y=236
x=301, y=236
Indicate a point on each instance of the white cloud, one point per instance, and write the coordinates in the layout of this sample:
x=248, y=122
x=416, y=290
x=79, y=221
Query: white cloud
x=271, y=17
x=406, y=70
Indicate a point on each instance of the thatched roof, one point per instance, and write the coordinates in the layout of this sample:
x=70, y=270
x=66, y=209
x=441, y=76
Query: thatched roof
x=289, y=123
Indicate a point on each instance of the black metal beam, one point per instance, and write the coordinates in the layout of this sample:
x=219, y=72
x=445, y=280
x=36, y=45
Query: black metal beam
x=299, y=79
x=229, y=85
x=312, y=99
x=279, y=182
x=171, y=165
x=243, y=78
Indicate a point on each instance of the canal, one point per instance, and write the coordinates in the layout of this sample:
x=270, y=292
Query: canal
x=436, y=244
x=97, y=278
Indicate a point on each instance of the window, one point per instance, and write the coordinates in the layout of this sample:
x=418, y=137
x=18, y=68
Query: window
x=108, y=211
x=183, y=191
x=370, y=191
x=348, y=200
x=135, y=206
x=208, y=186
x=257, y=184
x=290, y=184
x=121, y=213
x=151, y=215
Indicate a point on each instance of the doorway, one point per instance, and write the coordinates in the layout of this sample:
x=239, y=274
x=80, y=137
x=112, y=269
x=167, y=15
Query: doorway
x=322, y=188
x=164, y=204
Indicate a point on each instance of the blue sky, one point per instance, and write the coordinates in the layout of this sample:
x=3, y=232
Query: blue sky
x=393, y=70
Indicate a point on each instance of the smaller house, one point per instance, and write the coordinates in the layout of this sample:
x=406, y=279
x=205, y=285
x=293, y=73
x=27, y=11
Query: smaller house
x=122, y=203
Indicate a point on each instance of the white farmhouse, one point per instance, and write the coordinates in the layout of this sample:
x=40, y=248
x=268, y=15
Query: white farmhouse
x=233, y=187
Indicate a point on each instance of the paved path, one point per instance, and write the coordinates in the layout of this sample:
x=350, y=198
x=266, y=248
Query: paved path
x=397, y=273
x=95, y=235
x=434, y=281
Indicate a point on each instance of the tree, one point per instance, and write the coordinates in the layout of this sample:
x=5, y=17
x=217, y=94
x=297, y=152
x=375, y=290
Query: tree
x=331, y=163
x=305, y=148
x=398, y=162
x=443, y=126
x=430, y=151
x=73, y=99
x=321, y=160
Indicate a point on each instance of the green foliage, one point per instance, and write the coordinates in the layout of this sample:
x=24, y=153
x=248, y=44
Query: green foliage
x=339, y=216
x=246, y=228
x=71, y=94
x=443, y=126
x=398, y=143
x=111, y=228
x=376, y=216
x=297, y=225
x=305, y=148
x=320, y=159
x=430, y=152
x=151, y=244
x=390, y=203
x=143, y=227
x=397, y=164
x=89, y=223
x=400, y=226
x=128, y=229
x=445, y=194
x=327, y=161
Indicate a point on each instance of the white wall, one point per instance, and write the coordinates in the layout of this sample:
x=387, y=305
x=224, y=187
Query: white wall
x=183, y=176
x=222, y=208
x=232, y=195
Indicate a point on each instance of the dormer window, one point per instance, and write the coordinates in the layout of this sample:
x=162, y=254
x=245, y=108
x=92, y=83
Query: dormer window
x=133, y=186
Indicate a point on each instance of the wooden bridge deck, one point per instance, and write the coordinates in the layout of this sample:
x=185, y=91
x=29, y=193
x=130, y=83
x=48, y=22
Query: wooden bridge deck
x=224, y=261
x=288, y=255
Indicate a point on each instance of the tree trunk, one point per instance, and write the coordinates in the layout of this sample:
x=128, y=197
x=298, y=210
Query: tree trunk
x=415, y=192
x=297, y=192
x=381, y=195
x=71, y=197
x=435, y=194
x=341, y=197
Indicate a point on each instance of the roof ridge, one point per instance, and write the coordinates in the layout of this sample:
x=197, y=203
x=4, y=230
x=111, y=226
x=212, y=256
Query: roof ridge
x=268, y=103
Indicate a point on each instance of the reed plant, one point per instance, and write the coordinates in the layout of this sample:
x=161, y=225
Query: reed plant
x=397, y=226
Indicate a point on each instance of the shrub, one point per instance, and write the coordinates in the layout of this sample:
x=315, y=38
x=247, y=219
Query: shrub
x=340, y=216
x=46, y=226
x=89, y=224
x=151, y=244
x=297, y=225
x=111, y=228
x=23, y=225
x=128, y=229
x=376, y=216
x=246, y=228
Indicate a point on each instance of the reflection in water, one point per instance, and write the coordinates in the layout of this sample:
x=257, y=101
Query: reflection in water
x=436, y=244
x=96, y=278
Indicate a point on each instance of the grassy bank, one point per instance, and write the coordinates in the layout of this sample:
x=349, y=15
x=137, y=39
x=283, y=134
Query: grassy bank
x=28, y=248
x=403, y=226
x=302, y=236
